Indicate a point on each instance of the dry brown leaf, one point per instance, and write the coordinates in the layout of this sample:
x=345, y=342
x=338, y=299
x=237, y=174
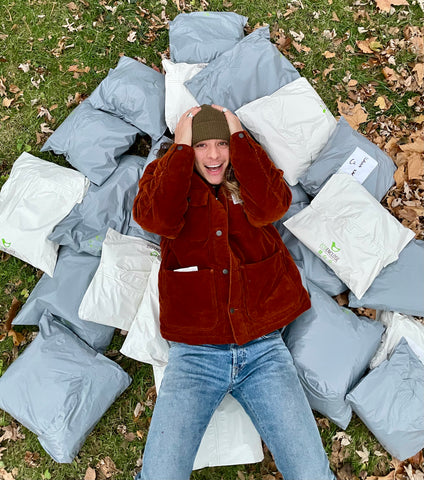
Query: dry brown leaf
x=90, y=474
x=385, y=5
x=32, y=459
x=7, y=102
x=354, y=114
x=328, y=70
x=106, y=468
x=18, y=338
x=400, y=176
x=415, y=166
x=328, y=54
x=5, y=475
x=419, y=70
x=11, y=314
x=365, y=45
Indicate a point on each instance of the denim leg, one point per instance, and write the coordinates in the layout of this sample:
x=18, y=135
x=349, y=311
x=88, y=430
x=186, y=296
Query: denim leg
x=269, y=390
x=194, y=384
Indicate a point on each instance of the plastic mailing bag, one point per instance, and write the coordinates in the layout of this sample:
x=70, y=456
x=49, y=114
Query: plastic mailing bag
x=292, y=124
x=62, y=295
x=331, y=349
x=350, y=151
x=59, y=388
x=136, y=93
x=313, y=268
x=202, y=36
x=251, y=69
x=115, y=293
x=178, y=99
x=109, y=205
x=92, y=141
x=390, y=401
x=230, y=437
x=35, y=198
x=399, y=287
x=350, y=231
x=398, y=326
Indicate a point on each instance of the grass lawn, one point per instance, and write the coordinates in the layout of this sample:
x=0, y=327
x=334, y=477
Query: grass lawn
x=361, y=56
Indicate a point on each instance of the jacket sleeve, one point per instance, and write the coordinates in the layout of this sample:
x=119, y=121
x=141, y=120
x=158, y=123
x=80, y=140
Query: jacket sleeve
x=161, y=201
x=265, y=194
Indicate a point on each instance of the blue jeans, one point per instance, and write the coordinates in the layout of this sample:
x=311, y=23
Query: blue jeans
x=262, y=377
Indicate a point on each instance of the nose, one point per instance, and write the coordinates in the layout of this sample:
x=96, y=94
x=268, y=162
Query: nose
x=213, y=151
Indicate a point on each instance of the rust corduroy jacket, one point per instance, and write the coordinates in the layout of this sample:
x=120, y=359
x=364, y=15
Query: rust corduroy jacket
x=247, y=284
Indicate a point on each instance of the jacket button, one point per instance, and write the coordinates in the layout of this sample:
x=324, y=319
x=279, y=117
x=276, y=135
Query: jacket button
x=241, y=135
x=218, y=233
x=231, y=310
x=225, y=271
x=180, y=147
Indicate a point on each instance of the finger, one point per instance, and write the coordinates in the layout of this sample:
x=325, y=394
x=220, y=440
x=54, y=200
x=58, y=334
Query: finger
x=221, y=109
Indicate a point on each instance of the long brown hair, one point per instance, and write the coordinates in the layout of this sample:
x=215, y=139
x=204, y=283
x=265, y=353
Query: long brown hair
x=230, y=182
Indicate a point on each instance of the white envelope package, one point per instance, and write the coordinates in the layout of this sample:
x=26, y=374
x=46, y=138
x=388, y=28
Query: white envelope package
x=351, y=231
x=178, y=98
x=293, y=125
x=117, y=288
x=37, y=195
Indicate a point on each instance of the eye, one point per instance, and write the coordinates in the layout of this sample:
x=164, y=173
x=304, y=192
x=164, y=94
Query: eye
x=223, y=144
x=200, y=145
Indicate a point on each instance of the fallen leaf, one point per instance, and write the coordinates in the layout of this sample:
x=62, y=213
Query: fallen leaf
x=106, y=468
x=354, y=114
x=7, y=102
x=415, y=167
x=383, y=103
x=364, y=455
x=11, y=314
x=4, y=475
x=90, y=474
x=328, y=54
x=385, y=5
x=24, y=67
x=32, y=459
x=132, y=36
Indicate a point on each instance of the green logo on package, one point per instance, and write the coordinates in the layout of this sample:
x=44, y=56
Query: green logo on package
x=5, y=244
x=334, y=248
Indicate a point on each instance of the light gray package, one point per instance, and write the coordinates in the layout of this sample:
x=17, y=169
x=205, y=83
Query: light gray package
x=331, y=348
x=136, y=93
x=59, y=388
x=92, y=141
x=250, y=70
x=399, y=287
x=314, y=269
x=348, y=148
x=199, y=37
x=298, y=194
x=390, y=401
x=109, y=205
x=62, y=295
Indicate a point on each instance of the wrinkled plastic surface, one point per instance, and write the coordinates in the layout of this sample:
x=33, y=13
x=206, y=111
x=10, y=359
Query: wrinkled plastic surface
x=92, y=141
x=35, y=198
x=136, y=93
x=331, y=348
x=293, y=125
x=314, y=269
x=250, y=70
x=104, y=207
x=399, y=287
x=118, y=286
x=390, y=402
x=178, y=98
x=62, y=294
x=398, y=326
x=199, y=37
x=230, y=438
x=341, y=144
x=59, y=388
x=351, y=231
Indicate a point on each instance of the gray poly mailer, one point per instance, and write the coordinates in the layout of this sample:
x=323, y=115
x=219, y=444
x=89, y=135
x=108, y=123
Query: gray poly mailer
x=251, y=69
x=62, y=295
x=59, y=388
x=331, y=348
x=390, y=401
x=348, y=148
x=199, y=37
x=92, y=141
x=104, y=207
x=399, y=287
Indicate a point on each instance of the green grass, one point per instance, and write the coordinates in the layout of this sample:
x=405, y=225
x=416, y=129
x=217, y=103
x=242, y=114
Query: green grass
x=34, y=33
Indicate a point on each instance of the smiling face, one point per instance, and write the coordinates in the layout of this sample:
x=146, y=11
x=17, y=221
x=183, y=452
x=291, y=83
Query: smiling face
x=211, y=159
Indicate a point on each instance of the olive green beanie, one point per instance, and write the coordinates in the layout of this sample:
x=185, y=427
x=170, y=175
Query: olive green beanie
x=209, y=124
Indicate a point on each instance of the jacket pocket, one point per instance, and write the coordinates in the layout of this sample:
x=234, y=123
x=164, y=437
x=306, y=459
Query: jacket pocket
x=188, y=300
x=268, y=286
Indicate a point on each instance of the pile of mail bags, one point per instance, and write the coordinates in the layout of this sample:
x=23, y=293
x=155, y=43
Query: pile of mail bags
x=101, y=268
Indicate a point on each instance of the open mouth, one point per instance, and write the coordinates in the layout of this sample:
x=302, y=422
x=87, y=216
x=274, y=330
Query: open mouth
x=213, y=168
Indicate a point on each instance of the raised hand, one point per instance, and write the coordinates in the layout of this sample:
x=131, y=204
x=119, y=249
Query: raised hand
x=233, y=122
x=183, y=130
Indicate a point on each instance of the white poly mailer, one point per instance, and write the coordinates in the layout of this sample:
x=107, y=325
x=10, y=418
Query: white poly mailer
x=115, y=293
x=36, y=197
x=293, y=125
x=178, y=98
x=230, y=438
x=398, y=326
x=351, y=231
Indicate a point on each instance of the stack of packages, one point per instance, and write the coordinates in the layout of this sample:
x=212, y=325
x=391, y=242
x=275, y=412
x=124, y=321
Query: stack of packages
x=101, y=268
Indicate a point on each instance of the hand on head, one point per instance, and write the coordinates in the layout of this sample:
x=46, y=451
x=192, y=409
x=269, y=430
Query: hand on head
x=183, y=130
